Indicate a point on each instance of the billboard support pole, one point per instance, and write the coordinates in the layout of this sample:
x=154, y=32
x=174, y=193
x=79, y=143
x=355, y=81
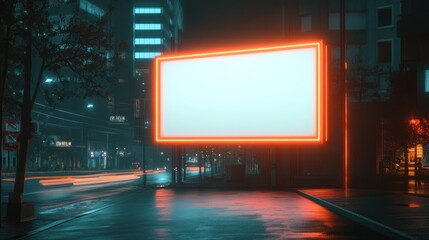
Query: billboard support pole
x=143, y=167
x=179, y=163
x=343, y=79
x=173, y=164
x=273, y=166
x=200, y=163
x=184, y=162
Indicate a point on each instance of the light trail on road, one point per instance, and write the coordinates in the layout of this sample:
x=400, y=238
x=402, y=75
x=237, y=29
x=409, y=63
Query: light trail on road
x=88, y=179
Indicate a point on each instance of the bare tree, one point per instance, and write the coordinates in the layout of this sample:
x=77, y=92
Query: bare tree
x=74, y=48
x=363, y=80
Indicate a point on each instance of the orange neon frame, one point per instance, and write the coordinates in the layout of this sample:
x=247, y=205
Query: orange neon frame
x=321, y=98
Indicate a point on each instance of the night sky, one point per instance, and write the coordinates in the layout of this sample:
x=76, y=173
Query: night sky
x=223, y=24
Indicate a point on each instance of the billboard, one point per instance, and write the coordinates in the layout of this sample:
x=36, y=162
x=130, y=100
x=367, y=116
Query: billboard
x=260, y=95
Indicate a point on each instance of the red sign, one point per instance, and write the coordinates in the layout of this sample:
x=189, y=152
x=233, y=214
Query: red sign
x=12, y=126
x=11, y=134
x=10, y=141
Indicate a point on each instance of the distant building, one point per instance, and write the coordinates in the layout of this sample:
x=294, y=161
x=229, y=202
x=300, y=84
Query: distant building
x=150, y=28
x=157, y=29
x=75, y=133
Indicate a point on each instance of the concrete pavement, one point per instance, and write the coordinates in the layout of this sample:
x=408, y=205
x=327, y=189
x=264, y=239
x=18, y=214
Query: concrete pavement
x=398, y=209
x=395, y=215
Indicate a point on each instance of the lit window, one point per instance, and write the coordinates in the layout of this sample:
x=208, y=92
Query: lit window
x=384, y=51
x=148, y=41
x=146, y=55
x=306, y=23
x=148, y=26
x=147, y=10
x=427, y=80
x=384, y=16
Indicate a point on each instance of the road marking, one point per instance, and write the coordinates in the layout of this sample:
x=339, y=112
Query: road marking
x=58, y=222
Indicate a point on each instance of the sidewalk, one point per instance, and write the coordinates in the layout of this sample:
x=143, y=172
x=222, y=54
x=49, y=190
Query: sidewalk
x=393, y=214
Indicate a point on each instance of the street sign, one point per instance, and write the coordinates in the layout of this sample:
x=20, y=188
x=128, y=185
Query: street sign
x=12, y=126
x=10, y=141
x=10, y=135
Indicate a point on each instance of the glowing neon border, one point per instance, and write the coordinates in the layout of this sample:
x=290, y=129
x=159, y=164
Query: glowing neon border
x=321, y=99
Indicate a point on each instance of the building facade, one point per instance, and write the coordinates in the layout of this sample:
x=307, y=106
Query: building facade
x=149, y=29
x=373, y=55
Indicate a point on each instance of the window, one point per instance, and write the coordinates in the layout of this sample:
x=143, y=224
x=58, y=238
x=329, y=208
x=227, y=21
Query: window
x=354, y=21
x=306, y=24
x=384, y=83
x=147, y=41
x=91, y=8
x=384, y=51
x=147, y=10
x=146, y=55
x=427, y=80
x=148, y=26
x=384, y=17
x=334, y=21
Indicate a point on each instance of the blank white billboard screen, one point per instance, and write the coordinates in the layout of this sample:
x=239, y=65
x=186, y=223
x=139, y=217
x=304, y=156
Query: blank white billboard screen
x=257, y=95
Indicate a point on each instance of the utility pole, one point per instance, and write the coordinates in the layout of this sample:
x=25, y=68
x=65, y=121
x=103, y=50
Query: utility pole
x=343, y=81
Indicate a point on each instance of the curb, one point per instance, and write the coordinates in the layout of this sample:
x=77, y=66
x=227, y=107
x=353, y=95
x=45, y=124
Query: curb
x=382, y=229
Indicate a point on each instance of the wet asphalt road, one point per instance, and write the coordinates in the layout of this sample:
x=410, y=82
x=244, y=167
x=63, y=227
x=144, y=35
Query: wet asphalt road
x=127, y=211
x=208, y=214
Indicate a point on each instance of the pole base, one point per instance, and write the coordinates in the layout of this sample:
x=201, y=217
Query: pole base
x=18, y=211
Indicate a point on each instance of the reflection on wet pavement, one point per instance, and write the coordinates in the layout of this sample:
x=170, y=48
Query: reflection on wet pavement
x=209, y=214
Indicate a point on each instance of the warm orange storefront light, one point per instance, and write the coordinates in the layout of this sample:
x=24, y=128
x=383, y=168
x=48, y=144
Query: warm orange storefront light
x=320, y=135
